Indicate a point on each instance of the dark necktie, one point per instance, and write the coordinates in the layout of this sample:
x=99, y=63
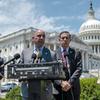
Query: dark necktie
x=64, y=58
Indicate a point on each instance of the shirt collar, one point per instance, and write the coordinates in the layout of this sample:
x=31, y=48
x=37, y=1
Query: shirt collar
x=63, y=49
x=35, y=49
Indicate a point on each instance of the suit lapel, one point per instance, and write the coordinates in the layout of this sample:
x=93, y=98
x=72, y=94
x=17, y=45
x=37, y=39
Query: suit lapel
x=46, y=54
x=71, y=56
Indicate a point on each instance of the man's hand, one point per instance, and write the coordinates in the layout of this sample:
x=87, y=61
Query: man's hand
x=65, y=86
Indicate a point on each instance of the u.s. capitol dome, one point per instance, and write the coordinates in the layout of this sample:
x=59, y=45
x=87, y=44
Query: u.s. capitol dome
x=89, y=31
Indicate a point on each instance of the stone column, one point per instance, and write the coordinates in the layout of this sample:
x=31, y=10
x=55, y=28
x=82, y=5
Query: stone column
x=49, y=46
x=86, y=61
x=98, y=49
x=94, y=49
x=83, y=60
x=54, y=47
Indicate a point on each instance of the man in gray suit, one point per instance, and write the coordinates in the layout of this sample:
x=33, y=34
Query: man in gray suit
x=32, y=89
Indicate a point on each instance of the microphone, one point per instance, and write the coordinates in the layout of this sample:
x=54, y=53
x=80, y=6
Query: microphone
x=33, y=57
x=39, y=56
x=16, y=56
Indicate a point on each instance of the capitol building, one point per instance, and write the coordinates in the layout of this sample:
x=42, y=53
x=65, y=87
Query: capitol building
x=90, y=31
x=87, y=41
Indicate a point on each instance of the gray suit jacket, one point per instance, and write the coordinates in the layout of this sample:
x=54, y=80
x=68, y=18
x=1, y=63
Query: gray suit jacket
x=35, y=85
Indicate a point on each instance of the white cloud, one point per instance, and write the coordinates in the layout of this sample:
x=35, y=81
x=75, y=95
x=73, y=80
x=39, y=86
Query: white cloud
x=16, y=15
x=56, y=2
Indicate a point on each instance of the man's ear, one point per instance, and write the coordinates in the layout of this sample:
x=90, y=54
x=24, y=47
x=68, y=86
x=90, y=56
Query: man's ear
x=32, y=37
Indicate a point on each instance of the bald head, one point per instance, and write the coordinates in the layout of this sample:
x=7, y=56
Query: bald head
x=39, y=38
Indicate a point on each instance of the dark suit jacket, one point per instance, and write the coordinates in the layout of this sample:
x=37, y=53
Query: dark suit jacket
x=35, y=85
x=75, y=62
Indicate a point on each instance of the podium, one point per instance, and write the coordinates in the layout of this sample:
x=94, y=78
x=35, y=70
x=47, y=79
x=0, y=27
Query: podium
x=41, y=71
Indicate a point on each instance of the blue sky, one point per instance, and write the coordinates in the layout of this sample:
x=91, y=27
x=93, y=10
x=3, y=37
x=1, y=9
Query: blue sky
x=50, y=15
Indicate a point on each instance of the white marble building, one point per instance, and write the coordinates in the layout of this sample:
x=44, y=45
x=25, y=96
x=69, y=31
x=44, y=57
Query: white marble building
x=89, y=33
x=15, y=42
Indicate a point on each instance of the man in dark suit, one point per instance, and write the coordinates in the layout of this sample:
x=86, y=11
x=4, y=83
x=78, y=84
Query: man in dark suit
x=32, y=89
x=68, y=89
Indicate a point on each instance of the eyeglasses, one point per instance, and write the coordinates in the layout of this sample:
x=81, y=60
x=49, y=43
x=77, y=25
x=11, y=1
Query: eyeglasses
x=64, y=38
x=41, y=36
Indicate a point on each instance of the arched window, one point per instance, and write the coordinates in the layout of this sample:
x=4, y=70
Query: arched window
x=16, y=46
x=92, y=36
x=28, y=45
x=89, y=37
x=98, y=37
x=95, y=36
x=96, y=49
x=5, y=50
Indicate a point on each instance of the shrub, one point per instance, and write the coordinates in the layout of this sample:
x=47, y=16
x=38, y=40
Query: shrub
x=2, y=99
x=90, y=90
x=14, y=94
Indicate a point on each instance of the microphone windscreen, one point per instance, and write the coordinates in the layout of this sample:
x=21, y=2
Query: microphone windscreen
x=33, y=56
x=39, y=56
x=17, y=55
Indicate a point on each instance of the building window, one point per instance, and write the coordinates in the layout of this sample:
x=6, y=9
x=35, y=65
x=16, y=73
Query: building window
x=95, y=36
x=89, y=37
x=28, y=45
x=93, y=48
x=98, y=37
x=92, y=37
x=96, y=49
x=16, y=47
x=10, y=48
x=5, y=50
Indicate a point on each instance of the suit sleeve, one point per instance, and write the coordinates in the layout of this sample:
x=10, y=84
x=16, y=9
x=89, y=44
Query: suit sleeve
x=78, y=64
x=56, y=83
